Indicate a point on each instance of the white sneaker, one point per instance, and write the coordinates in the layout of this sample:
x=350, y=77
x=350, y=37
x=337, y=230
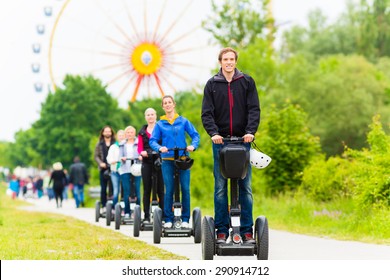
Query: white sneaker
x=185, y=225
x=127, y=216
x=168, y=225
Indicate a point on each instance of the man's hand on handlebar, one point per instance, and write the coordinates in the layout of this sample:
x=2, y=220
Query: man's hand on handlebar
x=163, y=149
x=217, y=139
x=190, y=148
x=248, y=138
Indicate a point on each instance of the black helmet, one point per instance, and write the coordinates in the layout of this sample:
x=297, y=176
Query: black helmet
x=184, y=163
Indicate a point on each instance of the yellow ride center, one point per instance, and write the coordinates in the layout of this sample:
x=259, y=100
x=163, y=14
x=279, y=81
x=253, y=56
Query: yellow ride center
x=146, y=58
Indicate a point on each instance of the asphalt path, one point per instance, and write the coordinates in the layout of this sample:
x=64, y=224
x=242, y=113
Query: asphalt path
x=282, y=245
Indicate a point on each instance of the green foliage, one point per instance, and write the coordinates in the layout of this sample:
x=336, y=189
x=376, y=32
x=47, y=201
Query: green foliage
x=326, y=180
x=370, y=170
x=5, y=150
x=71, y=116
x=286, y=138
x=238, y=23
x=362, y=175
x=257, y=59
x=339, y=93
x=364, y=29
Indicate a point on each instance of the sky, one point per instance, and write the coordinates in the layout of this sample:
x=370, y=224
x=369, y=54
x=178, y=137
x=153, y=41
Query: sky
x=20, y=104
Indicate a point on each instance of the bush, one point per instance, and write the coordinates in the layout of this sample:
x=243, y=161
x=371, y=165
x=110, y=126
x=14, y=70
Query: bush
x=286, y=138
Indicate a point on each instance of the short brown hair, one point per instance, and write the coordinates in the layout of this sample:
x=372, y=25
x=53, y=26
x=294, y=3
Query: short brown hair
x=226, y=50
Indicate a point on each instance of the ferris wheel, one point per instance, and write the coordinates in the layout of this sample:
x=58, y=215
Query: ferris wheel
x=138, y=48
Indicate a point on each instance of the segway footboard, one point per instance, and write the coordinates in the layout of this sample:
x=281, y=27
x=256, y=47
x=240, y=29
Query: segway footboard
x=180, y=232
x=230, y=249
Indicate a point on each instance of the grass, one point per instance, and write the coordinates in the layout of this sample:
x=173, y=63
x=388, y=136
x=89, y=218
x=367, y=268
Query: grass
x=337, y=220
x=28, y=235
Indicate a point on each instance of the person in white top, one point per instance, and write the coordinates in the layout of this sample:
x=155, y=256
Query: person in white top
x=114, y=160
x=127, y=152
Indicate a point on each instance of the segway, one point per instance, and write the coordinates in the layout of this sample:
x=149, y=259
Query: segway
x=119, y=215
x=177, y=230
x=234, y=160
x=148, y=225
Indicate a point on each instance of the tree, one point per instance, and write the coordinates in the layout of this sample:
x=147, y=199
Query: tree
x=238, y=23
x=340, y=95
x=71, y=116
x=363, y=29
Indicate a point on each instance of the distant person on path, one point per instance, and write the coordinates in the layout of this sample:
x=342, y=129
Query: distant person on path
x=78, y=177
x=106, y=139
x=145, y=151
x=170, y=132
x=231, y=107
x=38, y=184
x=14, y=186
x=58, y=178
x=113, y=159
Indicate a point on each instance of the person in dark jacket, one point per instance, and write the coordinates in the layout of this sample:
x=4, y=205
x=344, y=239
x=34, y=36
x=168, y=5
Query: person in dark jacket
x=148, y=166
x=230, y=107
x=106, y=139
x=58, y=178
x=78, y=177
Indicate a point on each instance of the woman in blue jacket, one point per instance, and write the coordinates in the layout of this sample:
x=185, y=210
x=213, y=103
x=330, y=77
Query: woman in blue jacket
x=170, y=132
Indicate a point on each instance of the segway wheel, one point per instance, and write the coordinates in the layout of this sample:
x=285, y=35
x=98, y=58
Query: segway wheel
x=108, y=213
x=208, y=238
x=97, y=210
x=137, y=221
x=157, y=225
x=118, y=212
x=197, y=225
x=262, y=236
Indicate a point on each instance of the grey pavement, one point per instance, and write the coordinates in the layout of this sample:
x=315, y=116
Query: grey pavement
x=283, y=245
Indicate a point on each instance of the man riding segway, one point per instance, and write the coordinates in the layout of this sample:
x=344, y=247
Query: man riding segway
x=231, y=107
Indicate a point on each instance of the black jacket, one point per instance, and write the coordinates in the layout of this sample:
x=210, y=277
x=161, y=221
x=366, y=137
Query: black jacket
x=230, y=108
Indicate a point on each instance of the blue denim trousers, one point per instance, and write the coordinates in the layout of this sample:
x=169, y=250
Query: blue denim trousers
x=127, y=184
x=115, y=180
x=168, y=169
x=78, y=193
x=221, y=211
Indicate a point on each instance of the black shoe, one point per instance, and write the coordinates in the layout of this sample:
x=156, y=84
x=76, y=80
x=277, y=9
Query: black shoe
x=221, y=238
x=248, y=238
x=82, y=204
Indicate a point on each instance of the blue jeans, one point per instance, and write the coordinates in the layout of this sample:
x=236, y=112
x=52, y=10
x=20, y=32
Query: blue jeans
x=115, y=180
x=168, y=169
x=78, y=193
x=126, y=184
x=221, y=211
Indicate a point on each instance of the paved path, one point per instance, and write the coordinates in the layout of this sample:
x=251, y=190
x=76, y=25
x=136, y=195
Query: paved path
x=283, y=245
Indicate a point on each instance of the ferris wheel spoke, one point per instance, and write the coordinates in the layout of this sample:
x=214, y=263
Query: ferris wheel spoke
x=188, y=50
x=183, y=78
x=121, y=75
x=176, y=21
x=113, y=22
x=137, y=84
x=158, y=84
x=130, y=18
x=145, y=21
x=116, y=42
x=183, y=36
x=126, y=85
x=158, y=22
